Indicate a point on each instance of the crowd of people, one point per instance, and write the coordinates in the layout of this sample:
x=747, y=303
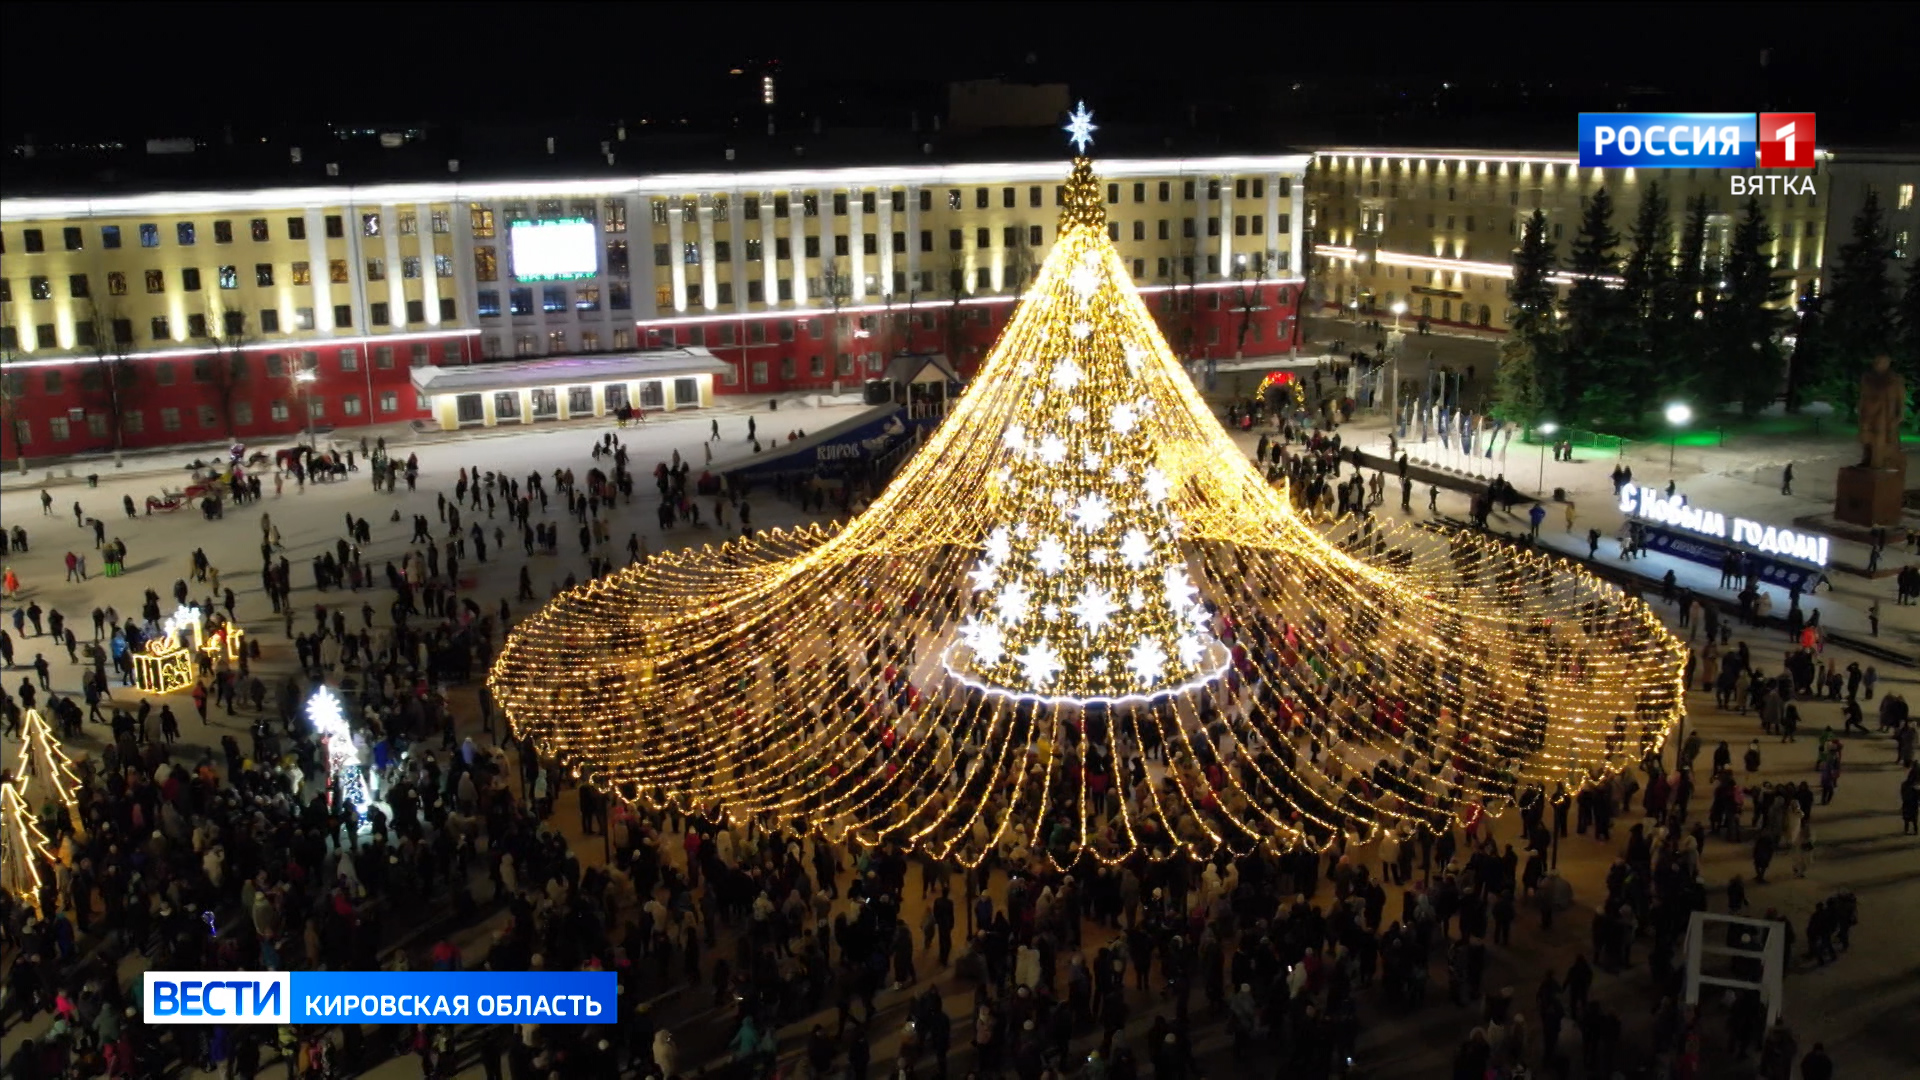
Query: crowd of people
x=739, y=942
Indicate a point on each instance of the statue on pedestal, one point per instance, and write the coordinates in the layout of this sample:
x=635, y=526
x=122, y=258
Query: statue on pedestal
x=1883, y=403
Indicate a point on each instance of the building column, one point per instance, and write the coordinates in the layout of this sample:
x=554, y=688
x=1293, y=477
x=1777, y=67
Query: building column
x=856, y=246
x=797, y=225
x=769, y=261
x=1297, y=224
x=322, y=286
x=709, y=274
x=883, y=207
x=913, y=239
x=429, y=275
x=738, y=269
x=640, y=269
x=466, y=287
x=396, y=267
x=676, y=250
x=357, y=266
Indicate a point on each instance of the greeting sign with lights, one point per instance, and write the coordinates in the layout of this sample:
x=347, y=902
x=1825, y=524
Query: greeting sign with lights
x=1652, y=505
x=1077, y=564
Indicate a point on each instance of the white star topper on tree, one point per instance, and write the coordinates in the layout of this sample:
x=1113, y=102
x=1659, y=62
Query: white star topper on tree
x=1080, y=128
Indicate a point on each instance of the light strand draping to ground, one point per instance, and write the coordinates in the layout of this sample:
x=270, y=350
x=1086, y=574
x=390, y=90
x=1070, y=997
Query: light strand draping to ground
x=1080, y=623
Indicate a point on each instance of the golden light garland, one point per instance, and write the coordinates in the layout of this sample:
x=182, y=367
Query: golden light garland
x=42, y=773
x=23, y=847
x=1080, y=622
x=167, y=664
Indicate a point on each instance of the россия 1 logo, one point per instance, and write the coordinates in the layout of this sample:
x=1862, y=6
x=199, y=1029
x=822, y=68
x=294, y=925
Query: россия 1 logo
x=1696, y=140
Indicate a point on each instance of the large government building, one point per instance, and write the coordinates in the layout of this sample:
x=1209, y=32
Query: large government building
x=161, y=313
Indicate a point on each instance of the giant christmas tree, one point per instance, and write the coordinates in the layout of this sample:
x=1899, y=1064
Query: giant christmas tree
x=1027, y=613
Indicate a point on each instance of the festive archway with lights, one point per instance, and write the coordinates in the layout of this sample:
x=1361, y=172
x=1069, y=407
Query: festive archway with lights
x=1079, y=622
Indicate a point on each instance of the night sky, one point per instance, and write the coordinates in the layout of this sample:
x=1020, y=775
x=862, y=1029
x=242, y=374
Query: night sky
x=159, y=64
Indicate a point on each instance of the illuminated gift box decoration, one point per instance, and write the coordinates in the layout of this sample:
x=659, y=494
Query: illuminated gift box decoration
x=167, y=665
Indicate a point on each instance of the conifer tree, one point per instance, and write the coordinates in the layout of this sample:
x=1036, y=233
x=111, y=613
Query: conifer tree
x=1646, y=294
x=1744, y=361
x=1523, y=395
x=1857, y=323
x=1590, y=384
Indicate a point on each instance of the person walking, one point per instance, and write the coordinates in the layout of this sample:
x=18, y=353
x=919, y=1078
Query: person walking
x=1786, y=479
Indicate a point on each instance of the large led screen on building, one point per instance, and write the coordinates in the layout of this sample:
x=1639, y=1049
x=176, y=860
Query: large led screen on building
x=556, y=249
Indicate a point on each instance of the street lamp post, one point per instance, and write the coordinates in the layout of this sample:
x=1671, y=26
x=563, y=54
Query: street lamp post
x=1678, y=414
x=1546, y=429
x=1399, y=309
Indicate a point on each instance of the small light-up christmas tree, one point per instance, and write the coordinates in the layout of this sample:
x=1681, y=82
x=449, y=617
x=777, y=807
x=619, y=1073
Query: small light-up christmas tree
x=25, y=858
x=1082, y=590
x=44, y=773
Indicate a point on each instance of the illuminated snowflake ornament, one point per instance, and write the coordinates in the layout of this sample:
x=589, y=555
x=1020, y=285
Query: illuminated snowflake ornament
x=1042, y=664
x=1094, y=608
x=1050, y=555
x=1147, y=661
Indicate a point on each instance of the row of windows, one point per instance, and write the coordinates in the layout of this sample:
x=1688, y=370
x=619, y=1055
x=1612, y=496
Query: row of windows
x=134, y=421
x=751, y=205
x=187, y=233
x=89, y=333
x=79, y=287
x=556, y=298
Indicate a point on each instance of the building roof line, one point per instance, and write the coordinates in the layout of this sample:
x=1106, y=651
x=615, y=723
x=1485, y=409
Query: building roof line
x=314, y=197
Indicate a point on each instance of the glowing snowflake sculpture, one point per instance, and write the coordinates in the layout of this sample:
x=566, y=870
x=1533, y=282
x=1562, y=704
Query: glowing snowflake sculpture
x=343, y=757
x=1080, y=563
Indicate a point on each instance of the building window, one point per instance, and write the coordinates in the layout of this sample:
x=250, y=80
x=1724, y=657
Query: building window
x=389, y=401
x=614, y=216
x=486, y=263
x=302, y=273
x=378, y=314
x=183, y=232
x=557, y=341
x=296, y=228
x=190, y=279
x=303, y=318
x=149, y=235
x=812, y=247
x=376, y=269
x=40, y=287
x=337, y=272
x=342, y=316
x=263, y=275
x=586, y=298
x=410, y=267
x=229, y=277
x=72, y=237
x=690, y=253
x=443, y=266
x=442, y=222
x=336, y=226
x=617, y=258
x=156, y=281
x=110, y=236
x=349, y=359
x=369, y=224
x=161, y=332
x=553, y=298
x=350, y=405
x=196, y=326
x=810, y=204
x=482, y=222
x=839, y=204
x=123, y=331
x=520, y=300
x=223, y=232
x=620, y=296
x=489, y=303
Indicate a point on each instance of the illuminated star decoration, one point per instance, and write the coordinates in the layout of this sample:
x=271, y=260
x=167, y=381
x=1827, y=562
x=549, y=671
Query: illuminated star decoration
x=1050, y=555
x=1080, y=128
x=1094, y=608
x=1041, y=662
x=1147, y=660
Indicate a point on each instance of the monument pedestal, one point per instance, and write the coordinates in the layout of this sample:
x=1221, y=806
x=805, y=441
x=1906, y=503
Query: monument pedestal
x=1869, y=496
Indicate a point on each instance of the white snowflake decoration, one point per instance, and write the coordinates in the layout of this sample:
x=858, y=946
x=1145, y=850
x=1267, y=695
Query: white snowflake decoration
x=1118, y=475
x=1180, y=590
x=1099, y=665
x=1012, y=603
x=999, y=545
x=983, y=576
x=1082, y=330
x=987, y=643
x=1136, y=599
x=1135, y=357
x=1191, y=650
x=1053, y=450
x=1094, y=608
x=1123, y=418
x=1076, y=414
x=1157, y=485
x=1135, y=549
x=1015, y=438
x=1099, y=556
x=1093, y=513
x=1051, y=612
x=1042, y=664
x=1085, y=281
x=1067, y=375
x=1050, y=555
x=1148, y=660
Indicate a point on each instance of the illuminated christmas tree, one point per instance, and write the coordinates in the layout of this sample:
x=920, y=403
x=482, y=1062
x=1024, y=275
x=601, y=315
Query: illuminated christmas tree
x=44, y=773
x=1034, y=600
x=25, y=858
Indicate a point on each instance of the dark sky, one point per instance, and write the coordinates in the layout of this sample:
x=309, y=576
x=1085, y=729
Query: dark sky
x=158, y=62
